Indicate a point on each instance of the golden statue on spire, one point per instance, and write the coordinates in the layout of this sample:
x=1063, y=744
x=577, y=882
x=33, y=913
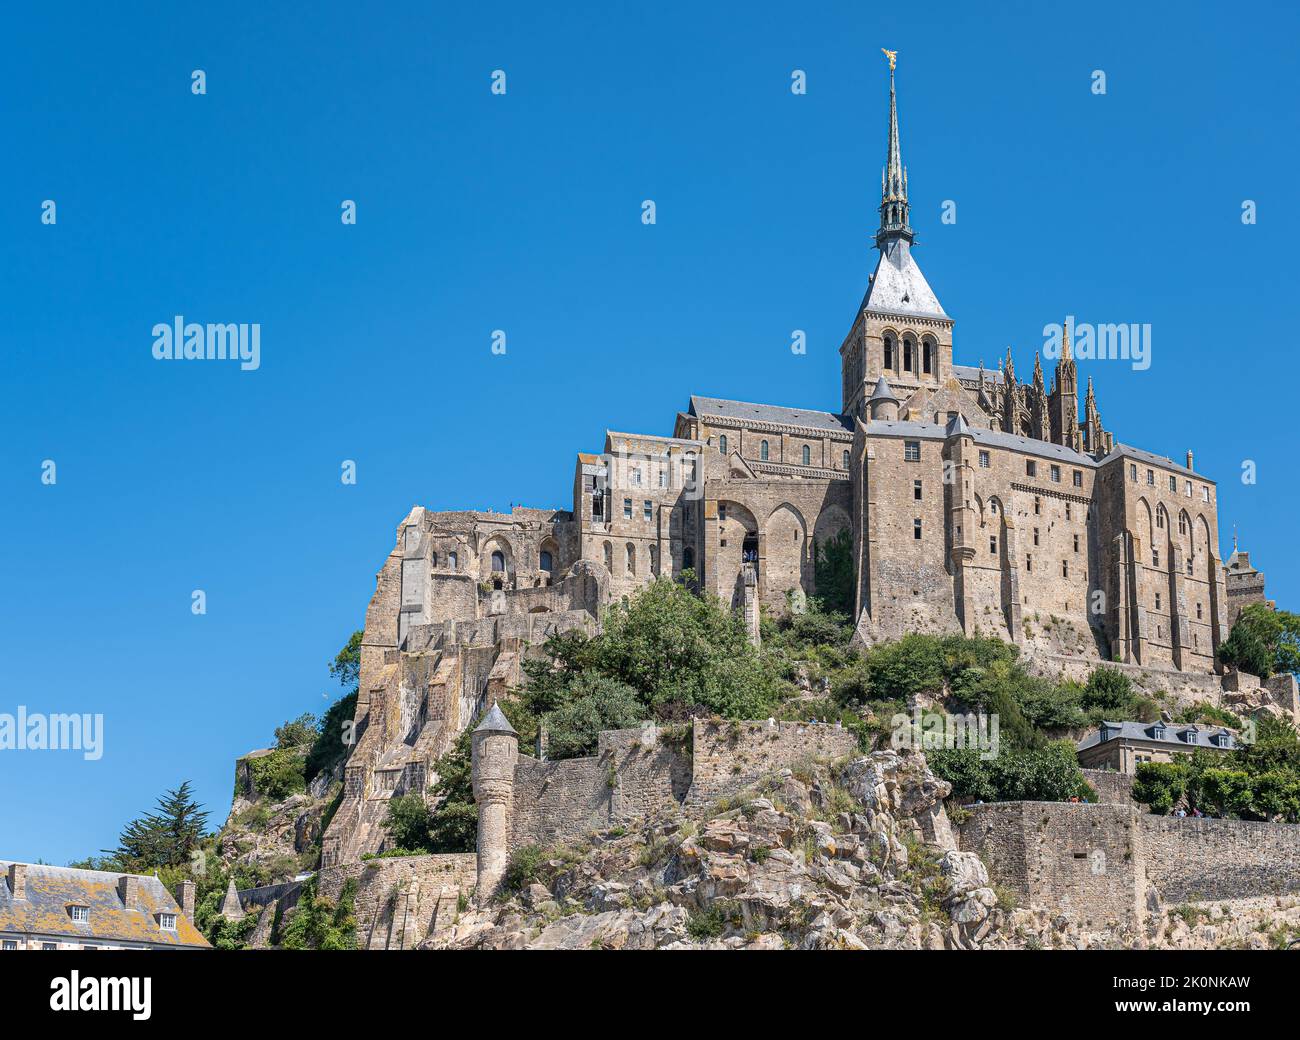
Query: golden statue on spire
x=891, y=55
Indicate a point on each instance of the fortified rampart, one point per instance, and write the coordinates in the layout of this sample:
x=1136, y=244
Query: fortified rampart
x=1108, y=863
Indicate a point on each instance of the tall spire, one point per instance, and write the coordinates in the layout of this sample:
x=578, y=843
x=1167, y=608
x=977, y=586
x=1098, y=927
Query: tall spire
x=893, y=180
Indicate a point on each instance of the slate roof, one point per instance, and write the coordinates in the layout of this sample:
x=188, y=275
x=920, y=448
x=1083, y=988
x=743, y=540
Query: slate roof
x=494, y=722
x=899, y=287
x=1127, y=451
x=50, y=891
x=972, y=373
x=1184, y=736
x=882, y=391
x=704, y=406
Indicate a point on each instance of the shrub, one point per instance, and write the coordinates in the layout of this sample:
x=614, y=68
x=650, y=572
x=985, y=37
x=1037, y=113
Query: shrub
x=278, y=775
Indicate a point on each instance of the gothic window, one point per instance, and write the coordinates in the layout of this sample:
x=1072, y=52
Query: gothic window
x=889, y=352
x=545, y=562
x=498, y=561
x=762, y=450
x=807, y=455
x=722, y=444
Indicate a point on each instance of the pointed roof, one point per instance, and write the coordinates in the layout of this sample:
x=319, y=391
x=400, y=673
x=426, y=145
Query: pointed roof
x=898, y=286
x=957, y=427
x=494, y=722
x=882, y=391
x=893, y=178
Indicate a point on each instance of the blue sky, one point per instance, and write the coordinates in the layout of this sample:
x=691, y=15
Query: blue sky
x=522, y=213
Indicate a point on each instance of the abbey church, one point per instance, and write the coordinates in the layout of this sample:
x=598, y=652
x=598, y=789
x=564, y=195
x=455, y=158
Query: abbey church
x=970, y=503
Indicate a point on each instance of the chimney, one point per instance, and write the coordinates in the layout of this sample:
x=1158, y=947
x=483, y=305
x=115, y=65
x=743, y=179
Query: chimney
x=185, y=896
x=1189, y=460
x=128, y=887
x=18, y=880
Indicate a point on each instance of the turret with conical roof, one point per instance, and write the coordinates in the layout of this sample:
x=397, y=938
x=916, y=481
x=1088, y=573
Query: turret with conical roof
x=495, y=752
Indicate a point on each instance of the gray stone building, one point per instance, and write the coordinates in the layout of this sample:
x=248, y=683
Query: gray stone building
x=971, y=502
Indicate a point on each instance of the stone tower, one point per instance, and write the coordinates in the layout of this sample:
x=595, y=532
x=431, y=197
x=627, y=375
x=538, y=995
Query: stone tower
x=1065, y=399
x=900, y=333
x=495, y=752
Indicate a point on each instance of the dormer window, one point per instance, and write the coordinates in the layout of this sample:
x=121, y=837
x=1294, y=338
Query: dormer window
x=1158, y=732
x=80, y=914
x=167, y=922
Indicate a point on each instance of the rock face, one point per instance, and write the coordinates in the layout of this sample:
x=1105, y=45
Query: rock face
x=859, y=859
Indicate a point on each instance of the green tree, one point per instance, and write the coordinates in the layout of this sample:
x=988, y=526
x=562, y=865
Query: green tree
x=595, y=702
x=318, y=923
x=1263, y=641
x=833, y=571
x=297, y=732
x=163, y=838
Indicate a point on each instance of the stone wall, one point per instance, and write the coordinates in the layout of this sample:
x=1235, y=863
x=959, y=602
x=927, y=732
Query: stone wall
x=727, y=756
x=403, y=899
x=1191, y=860
x=1082, y=859
x=1100, y=861
x=1112, y=786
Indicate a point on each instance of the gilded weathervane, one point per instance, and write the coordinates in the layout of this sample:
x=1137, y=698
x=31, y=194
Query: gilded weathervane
x=891, y=55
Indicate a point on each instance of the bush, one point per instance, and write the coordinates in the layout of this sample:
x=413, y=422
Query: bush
x=1046, y=774
x=297, y=732
x=1160, y=785
x=278, y=775
x=596, y=702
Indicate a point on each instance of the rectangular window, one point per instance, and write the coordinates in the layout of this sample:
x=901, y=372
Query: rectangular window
x=1076, y=543
x=1067, y=510
x=1187, y=489
x=916, y=529
x=1056, y=474
x=663, y=476
x=167, y=922
x=916, y=490
x=80, y=913
x=1035, y=535
x=636, y=476
x=911, y=451
x=1133, y=473
x=984, y=460
x=1078, y=478
x=1155, y=557
x=1151, y=478
x=1031, y=468
x=1157, y=601
x=649, y=510
x=1029, y=562
x=993, y=545
x=1205, y=493
x=1065, y=568
x=627, y=509
x=1173, y=483
x=9, y=944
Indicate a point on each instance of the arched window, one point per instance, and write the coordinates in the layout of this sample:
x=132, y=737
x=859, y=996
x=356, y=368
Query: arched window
x=609, y=557
x=654, y=560
x=722, y=444
x=925, y=357
x=846, y=459
x=498, y=561
x=451, y=560
x=889, y=352
x=807, y=455
x=762, y=451
x=545, y=561
x=688, y=558
x=907, y=355
x=631, y=558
